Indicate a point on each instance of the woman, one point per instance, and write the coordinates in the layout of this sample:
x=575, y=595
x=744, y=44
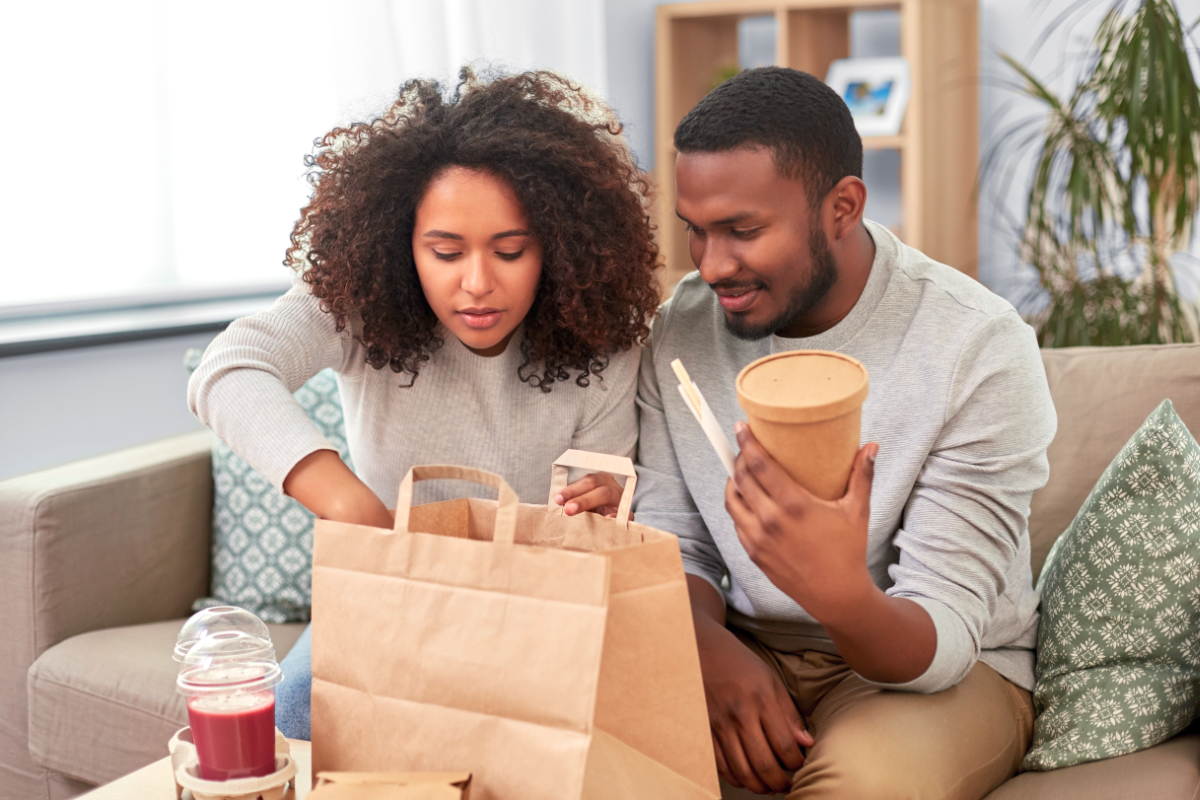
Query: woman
x=479, y=271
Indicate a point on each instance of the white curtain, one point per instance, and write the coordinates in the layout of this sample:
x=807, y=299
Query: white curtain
x=156, y=144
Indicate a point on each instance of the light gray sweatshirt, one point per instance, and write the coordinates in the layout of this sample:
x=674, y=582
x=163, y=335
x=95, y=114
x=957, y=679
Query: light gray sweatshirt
x=962, y=413
x=463, y=409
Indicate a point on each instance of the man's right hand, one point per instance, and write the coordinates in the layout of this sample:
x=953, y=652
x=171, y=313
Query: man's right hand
x=757, y=731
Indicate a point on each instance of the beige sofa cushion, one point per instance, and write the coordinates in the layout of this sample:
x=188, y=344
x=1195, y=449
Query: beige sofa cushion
x=1170, y=771
x=102, y=704
x=1102, y=395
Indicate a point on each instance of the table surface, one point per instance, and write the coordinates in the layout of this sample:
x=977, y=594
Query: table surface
x=157, y=782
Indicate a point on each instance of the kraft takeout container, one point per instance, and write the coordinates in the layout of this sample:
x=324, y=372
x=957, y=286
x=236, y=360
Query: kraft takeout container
x=805, y=407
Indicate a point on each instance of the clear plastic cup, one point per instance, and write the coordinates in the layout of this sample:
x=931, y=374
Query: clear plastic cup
x=215, y=620
x=230, y=688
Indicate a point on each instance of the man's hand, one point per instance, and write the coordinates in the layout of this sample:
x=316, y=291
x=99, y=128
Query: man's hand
x=814, y=550
x=757, y=731
x=598, y=492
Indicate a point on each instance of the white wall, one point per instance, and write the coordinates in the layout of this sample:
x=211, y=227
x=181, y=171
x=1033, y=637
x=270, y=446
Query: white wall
x=62, y=406
x=57, y=407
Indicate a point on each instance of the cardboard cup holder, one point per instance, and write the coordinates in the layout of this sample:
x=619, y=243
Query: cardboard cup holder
x=185, y=764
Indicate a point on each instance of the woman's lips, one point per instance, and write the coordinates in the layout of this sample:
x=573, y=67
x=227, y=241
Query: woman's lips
x=480, y=319
x=738, y=302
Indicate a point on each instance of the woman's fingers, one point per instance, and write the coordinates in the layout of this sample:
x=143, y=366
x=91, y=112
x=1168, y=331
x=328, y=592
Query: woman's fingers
x=597, y=492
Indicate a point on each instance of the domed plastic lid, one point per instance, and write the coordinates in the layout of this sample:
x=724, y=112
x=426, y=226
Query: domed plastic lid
x=228, y=646
x=215, y=620
x=228, y=661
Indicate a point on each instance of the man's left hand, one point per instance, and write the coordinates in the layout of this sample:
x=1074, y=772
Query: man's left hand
x=814, y=550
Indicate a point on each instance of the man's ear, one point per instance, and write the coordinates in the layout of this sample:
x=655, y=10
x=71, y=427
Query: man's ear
x=849, y=198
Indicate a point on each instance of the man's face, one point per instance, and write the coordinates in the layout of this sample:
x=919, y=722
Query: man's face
x=755, y=239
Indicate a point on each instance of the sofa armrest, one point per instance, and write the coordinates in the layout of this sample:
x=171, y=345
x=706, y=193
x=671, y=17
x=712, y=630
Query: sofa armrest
x=103, y=542
x=118, y=539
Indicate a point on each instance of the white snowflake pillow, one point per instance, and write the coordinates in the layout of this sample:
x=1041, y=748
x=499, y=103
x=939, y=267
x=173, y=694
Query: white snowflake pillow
x=1118, y=662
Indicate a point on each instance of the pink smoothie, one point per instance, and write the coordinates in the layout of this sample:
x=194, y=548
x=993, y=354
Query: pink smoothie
x=234, y=734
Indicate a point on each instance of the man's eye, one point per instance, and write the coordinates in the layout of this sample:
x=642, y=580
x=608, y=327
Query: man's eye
x=745, y=233
x=511, y=256
x=445, y=256
x=695, y=230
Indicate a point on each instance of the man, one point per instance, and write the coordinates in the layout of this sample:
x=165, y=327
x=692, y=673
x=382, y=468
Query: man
x=889, y=634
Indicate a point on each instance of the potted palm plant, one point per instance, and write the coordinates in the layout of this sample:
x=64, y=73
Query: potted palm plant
x=1116, y=185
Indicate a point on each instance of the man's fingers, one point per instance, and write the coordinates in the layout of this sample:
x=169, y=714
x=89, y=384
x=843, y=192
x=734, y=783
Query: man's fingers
x=763, y=761
x=723, y=766
x=862, y=475
x=745, y=523
x=766, y=470
x=757, y=499
x=739, y=765
x=780, y=726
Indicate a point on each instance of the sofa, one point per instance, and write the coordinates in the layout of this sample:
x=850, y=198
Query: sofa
x=101, y=559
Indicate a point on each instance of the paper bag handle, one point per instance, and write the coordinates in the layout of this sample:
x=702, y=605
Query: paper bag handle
x=593, y=462
x=506, y=511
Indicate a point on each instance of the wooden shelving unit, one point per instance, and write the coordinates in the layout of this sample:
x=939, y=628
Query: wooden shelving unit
x=938, y=142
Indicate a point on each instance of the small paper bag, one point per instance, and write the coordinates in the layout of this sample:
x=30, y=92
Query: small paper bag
x=553, y=657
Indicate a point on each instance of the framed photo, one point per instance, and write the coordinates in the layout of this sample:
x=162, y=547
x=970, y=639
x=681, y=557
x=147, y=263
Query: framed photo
x=876, y=91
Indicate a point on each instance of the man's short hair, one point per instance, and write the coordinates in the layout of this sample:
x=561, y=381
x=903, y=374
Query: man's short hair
x=801, y=120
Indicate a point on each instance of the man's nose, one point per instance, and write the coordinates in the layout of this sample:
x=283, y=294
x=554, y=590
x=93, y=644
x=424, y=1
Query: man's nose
x=716, y=261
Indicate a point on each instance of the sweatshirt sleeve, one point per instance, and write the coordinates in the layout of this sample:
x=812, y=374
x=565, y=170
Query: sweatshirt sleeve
x=663, y=500
x=610, y=422
x=968, y=513
x=243, y=387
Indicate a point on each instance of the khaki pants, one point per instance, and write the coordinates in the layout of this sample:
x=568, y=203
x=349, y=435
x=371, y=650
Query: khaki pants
x=958, y=744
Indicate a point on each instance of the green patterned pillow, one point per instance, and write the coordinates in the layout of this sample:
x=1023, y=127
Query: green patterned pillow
x=1118, y=663
x=262, y=540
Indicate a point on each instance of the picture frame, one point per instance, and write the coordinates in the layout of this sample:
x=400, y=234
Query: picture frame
x=876, y=91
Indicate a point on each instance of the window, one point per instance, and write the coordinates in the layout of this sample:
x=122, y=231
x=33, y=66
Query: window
x=158, y=146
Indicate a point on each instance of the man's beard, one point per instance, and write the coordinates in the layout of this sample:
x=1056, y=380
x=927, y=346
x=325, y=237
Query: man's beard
x=804, y=298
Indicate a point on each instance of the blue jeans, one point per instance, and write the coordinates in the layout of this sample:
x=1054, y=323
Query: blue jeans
x=293, y=697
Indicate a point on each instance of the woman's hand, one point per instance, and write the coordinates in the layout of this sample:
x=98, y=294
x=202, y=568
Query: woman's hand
x=324, y=485
x=598, y=492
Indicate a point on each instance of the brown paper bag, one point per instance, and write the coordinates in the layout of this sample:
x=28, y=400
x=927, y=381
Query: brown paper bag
x=551, y=656
x=392, y=786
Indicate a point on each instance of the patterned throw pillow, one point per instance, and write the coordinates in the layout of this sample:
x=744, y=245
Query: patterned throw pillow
x=1118, y=663
x=262, y=540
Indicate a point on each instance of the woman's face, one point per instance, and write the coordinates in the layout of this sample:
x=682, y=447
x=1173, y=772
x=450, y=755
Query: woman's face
x=478, y=264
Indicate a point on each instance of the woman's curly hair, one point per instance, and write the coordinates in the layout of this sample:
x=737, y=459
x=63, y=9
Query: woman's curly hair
x=557, y=147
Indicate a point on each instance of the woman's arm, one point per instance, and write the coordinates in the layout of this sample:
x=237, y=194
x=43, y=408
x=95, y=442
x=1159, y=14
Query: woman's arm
x=243, y=387
x=610, y=425
x=324, y=485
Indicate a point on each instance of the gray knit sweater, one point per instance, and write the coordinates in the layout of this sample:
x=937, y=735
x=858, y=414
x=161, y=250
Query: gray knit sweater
x=960, y=408
x=463, y=409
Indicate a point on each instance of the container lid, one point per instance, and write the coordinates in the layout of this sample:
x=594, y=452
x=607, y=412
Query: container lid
x=802, y=386
x=215, y=620
x=228, y=646
x=228, y=661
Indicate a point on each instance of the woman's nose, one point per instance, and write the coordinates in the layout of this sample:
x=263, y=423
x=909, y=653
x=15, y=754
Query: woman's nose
x=478, y=279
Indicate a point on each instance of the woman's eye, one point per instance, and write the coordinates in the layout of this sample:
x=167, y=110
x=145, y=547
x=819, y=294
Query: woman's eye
x=445, y=256
x=511, y=256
